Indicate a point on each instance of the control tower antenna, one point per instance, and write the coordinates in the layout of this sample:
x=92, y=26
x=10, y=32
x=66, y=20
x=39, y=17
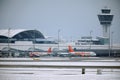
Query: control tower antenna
x=105, y=19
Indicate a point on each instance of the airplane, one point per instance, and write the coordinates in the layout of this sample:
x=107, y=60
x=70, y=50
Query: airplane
x=38, y=53
x=12, y=52
x=82, y=53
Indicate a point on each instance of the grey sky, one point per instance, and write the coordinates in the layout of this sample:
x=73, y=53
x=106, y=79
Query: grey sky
x=75, y=18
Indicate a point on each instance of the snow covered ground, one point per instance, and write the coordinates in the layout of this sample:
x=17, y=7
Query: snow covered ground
x=57, y=74
x=42, y=73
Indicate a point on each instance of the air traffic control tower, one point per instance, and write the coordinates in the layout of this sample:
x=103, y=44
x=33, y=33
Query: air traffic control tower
x=105, y=19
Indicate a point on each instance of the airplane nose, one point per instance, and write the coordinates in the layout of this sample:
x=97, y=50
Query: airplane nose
x=93, y=53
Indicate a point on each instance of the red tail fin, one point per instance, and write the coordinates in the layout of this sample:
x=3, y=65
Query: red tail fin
x=49, y=50
x=70, y=49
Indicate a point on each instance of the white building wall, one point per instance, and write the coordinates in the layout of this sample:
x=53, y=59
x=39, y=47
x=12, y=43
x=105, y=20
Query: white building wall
x=26, y=46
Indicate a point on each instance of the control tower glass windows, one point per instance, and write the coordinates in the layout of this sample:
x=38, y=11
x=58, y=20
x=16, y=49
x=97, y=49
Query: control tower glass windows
x=105, y=18
x=106, y=11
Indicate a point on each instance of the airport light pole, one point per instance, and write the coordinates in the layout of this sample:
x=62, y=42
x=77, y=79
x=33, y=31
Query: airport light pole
x=34, y=38
x=112, y=41
x=9, y=43
x=90, y=38
x=109, y=43
x=58, y=38
x=8, y=39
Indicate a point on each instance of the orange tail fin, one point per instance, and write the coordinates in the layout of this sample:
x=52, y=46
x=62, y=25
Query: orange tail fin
x=70, y=49
x=49, y=50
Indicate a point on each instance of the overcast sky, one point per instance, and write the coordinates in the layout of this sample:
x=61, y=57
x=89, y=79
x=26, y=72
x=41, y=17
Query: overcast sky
x=74, y=18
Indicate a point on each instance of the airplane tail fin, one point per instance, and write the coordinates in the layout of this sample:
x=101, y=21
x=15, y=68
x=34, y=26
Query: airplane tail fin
x=49, y=50
x=70, y=49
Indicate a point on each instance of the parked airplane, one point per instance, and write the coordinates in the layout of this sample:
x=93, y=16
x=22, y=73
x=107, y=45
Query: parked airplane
x=12, y=52
x=38, y=54
x=82, y=53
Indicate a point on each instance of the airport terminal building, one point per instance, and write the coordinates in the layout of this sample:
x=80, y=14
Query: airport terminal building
x=15, y=35
x=19, y=37
x=32, y=40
